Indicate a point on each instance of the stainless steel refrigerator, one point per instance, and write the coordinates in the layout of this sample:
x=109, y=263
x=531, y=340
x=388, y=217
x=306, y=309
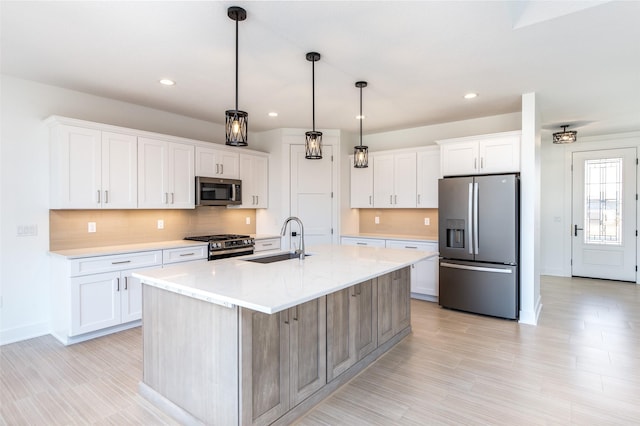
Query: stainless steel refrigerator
x=478, y=232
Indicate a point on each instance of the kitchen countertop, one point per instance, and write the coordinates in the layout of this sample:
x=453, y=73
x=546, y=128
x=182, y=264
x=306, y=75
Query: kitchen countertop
x=273, y=287
x=430, y=238
x=124, y=248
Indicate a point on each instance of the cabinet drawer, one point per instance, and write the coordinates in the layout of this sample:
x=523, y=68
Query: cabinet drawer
x=416, y=245
x=118, y=262
x=184, y=254
x=371, y=242
x=267, y=244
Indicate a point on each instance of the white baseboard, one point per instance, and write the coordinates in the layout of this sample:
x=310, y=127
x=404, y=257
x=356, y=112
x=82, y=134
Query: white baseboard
x=23, y=333
x=531, y=317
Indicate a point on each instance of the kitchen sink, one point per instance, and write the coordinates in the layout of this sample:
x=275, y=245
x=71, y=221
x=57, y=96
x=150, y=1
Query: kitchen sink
x=277, y=257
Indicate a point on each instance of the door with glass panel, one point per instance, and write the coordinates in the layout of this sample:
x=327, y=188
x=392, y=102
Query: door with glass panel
x=604, y=214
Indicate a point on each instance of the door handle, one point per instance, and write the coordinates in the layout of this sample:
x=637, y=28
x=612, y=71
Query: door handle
x=576, y=229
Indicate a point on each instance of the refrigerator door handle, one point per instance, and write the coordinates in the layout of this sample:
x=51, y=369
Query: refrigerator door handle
x=470, y=221
x=475, y=218
x=476, y=268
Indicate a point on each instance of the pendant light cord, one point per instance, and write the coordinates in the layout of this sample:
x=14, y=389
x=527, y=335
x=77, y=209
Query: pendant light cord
x=236, y=65
x=313, y=94
x=361, y=117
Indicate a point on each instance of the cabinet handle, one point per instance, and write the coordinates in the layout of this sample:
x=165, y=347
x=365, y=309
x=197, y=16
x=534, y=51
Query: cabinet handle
x=390, y=199
x=361, y=244
x=120, y=262
x=411, y=247
x=221, y=169
x=106, y=197
x=117, y=284
x=418, y=198
x=395, y=199
x=172, y=198
x=353, y=294
x=126, y=283
x=286, y=312
x=187, y=254
x=217, y=169
x=295, y=316
x=98, y=196
x=359, y=289
x=166, y=198
x=267, y=245
x=257, y=199
x=475, y=163
x=370, y=200
x=482, y=162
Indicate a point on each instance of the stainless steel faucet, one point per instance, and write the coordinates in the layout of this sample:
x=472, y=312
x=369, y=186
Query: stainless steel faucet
x=299, y=251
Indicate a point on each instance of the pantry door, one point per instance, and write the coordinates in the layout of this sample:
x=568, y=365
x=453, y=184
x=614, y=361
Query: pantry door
x=604, y=214
x=312, y=196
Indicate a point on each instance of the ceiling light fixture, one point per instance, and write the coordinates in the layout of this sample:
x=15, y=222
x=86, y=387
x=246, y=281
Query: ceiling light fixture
x=470, y=95
x=361, y=152
x=273, y=114
x=313, y=139
x=167, y=82
x=565, y=136
x=236, y=121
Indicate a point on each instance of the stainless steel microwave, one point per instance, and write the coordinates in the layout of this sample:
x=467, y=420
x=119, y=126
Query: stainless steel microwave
x=218, y=192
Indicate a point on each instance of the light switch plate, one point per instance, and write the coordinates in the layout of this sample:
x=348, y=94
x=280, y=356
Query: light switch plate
x=91, y=227
x=248, y=220
x=426, y=221
x=160, y=224
x=376, y=220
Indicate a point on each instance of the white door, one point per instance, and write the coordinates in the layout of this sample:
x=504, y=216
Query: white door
x=604, y=214
x=311, y=195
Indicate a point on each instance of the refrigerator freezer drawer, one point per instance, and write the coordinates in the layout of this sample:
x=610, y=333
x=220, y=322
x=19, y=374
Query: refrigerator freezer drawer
x=479, y=288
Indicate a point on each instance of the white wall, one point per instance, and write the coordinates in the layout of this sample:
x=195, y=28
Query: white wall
x=24, y=190
x=427, y=135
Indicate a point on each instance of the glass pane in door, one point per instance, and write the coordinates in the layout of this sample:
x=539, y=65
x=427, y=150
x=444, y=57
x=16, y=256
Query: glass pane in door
x=603, y=201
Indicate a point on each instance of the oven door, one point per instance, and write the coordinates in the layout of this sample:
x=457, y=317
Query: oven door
x=227, y=253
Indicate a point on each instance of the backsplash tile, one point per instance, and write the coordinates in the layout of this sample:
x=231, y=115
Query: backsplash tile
x=399, y=221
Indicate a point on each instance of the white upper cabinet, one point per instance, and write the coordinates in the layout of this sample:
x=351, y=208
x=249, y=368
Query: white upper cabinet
x=91, y=169
x=494, y=153
x=427, y=175
x=219, y=163
x=394, y=180
x=166, y=176
x=254, y=173
x=361, y=185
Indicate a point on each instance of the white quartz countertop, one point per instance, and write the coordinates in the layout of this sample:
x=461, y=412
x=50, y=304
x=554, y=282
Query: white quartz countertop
x=273, y=287
x=394, y=237
x=125, y=248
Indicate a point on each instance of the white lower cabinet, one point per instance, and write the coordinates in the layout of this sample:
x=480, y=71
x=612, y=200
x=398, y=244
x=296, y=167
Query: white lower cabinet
x=424, y=274
x=371, y=242
x=266, y=244
x=185, y=254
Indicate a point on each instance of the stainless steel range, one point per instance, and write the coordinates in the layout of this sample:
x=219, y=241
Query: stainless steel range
x=226, y=245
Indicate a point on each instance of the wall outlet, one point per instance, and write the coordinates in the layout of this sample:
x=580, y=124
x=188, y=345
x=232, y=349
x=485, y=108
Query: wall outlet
x=91, y=227
x=160, y=224
x=247, y=220
x=426, y=221
x=376, y=220
x=27, y=230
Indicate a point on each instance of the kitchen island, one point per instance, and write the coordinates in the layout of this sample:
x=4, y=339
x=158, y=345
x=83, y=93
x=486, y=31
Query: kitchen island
x=240, y=342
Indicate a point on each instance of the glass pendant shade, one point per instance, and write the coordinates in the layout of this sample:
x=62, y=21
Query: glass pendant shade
x=236, y=121
x=361, y=152
x=565, y=136
x=236, y=125
x=313, y=145
x=361, y=157
x=313, y=139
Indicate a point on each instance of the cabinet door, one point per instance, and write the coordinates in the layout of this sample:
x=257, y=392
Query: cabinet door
x=264, y=366
x=95, y=302
x=153, y=174
x=341, y=318
x=500, y=155
x=366, y=324
x=261, y=181
x=394, y=312
x=211, y=162
x=266, y=245
x=76, y=161
x=460, y=158
x=362, y=185
x=427, y=175
x=308, y=349
x=229, y=165
x=385, y=308
x=424, y=277
x=404, y=173
x=119, y=171
x=130, y=297
x=181, y=176
x=383, y=181
x=371, y=242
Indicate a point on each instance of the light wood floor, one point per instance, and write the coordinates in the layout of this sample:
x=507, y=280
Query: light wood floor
x=580, y=365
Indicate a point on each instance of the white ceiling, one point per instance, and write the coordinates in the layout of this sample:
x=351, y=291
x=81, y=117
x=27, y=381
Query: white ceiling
x=420, y=58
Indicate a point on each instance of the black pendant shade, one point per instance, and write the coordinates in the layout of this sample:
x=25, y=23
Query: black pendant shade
x=361, y=152
x=313, y=139
x=236, y=121
x=565, y=136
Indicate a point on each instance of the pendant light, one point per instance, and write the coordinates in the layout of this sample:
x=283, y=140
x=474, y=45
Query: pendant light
x=313, y=139
x=236, y=121
x=361, y=152
x=565, y=136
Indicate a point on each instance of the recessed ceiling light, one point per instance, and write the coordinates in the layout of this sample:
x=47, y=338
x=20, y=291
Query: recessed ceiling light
x=167, y=82
x=360, y=117
x=273, y=114
x=470, y=95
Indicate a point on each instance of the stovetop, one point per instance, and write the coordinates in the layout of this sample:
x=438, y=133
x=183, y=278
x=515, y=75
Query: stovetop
x=220, y=237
